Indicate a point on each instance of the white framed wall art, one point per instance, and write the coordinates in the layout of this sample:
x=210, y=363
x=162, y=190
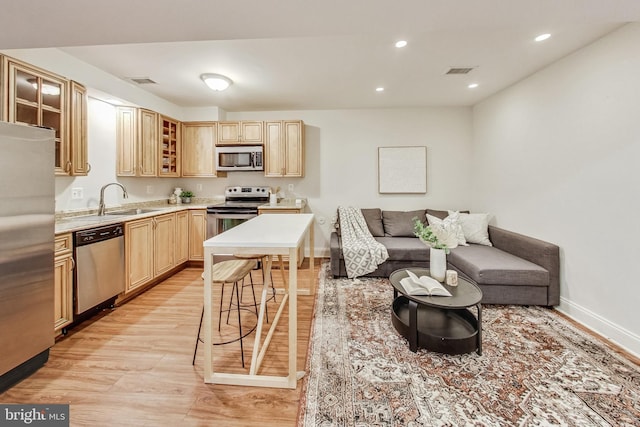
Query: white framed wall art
x=402, y=170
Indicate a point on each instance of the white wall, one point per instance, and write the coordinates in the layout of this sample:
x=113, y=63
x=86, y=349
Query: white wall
x=341, y=158
x=556, y=157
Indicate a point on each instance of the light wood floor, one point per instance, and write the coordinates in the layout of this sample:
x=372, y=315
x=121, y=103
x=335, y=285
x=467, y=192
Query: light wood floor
x=132, y=366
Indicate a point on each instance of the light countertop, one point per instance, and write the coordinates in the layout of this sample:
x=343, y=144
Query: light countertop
x=70, y=224
x=285, y=204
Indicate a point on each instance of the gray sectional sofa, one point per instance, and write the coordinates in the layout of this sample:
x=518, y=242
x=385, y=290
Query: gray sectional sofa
x=517, y=269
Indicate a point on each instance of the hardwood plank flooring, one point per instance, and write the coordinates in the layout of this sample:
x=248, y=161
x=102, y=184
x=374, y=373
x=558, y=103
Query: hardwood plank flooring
x=131, y=366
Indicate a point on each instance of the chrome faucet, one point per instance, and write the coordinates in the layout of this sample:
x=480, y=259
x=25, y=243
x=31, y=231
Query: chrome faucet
x=101, y=204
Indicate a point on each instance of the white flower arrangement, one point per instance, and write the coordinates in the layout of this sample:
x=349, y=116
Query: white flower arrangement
x=436, y=236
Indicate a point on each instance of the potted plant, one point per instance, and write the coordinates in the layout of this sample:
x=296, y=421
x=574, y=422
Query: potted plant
x=186, y=196
x=439, y=239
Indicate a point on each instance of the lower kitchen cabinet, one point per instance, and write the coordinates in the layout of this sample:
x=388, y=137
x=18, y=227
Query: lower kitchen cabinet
x=63, y=282
x=164, y=243
x=197, y=234
x=138, y=253
x=154, y=246
x=182, y=237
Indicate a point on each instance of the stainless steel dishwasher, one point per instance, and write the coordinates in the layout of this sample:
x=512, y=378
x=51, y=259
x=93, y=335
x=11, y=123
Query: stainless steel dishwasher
x=100, y=274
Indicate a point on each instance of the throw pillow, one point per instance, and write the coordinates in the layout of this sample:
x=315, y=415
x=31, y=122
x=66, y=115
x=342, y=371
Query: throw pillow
x=400, y=223
x=452, y=224
x=373, y=217
x=441, y=214
x=476, y=228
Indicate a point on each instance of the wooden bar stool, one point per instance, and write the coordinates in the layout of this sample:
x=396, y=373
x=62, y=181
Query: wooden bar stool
x=232, y=271
x=260, y=259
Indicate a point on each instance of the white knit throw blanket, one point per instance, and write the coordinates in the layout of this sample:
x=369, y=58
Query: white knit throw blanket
x=362, y=253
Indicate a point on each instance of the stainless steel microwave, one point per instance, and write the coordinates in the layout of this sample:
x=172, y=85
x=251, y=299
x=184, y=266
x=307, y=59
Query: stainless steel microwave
x=239, y=158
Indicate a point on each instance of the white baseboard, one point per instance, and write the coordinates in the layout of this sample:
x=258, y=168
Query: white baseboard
x=318, y=252
x=619, y=336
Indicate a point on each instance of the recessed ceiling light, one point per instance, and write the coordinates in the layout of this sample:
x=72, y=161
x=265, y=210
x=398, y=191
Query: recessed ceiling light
x=401, y=43
x=473, y=85
x=379, y=89
x=542, y=37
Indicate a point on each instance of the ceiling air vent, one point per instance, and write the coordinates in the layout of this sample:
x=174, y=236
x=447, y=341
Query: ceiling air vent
x=142, y=80
x=459, y=70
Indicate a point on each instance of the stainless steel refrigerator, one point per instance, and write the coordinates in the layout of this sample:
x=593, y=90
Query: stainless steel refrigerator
x=27, y=204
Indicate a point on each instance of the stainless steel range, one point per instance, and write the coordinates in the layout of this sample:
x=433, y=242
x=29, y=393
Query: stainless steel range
x=240, y=204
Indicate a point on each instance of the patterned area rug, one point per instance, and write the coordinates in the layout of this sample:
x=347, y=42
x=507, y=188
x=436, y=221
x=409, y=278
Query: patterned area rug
x=536, y=369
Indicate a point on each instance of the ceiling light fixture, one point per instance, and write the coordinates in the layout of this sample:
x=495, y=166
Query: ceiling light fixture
x=379, y=89
x=216, y=82
x=542, y=37
x=473, y=85
x=401, y=43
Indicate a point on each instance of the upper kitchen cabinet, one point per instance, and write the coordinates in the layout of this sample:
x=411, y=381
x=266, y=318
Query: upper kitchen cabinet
x=284, y=148
x=198, y=149
x=169, y=150
x=79, y=150
x=137, y=142
x=240, y=133
x=34, y=96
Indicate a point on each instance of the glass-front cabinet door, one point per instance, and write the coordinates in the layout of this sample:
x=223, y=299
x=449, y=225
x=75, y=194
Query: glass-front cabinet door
x=37, y=98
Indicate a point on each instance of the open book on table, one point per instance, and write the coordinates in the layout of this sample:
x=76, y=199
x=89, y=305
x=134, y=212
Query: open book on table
x=423, y=285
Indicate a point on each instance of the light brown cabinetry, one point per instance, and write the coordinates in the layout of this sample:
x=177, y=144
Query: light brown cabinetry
x=164, y=243
x=239, y=133
x=169, y=147
x=198, y=149
x=197, y=234
x=36, y=97
x=153, y=246
x=284, y=148
x=63, y=282
x=137, y=142
x=78, y=144
x=138, y=244
x=182, y=237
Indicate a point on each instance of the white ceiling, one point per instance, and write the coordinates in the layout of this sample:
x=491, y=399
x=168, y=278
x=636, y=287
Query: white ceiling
x=315, y=54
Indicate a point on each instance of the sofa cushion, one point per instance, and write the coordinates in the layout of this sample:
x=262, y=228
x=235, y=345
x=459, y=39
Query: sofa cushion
x=437, y=214
x=373, y=217
x=475, y=227
x=451, y=224
x=492, y=266
x=400, y=223
x=441, y=214
x=405, y=248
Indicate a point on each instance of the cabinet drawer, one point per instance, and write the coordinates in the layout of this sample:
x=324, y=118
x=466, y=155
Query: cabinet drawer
x=63, y=244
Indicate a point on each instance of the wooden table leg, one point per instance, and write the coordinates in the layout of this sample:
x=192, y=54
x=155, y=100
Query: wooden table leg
x=413, y=326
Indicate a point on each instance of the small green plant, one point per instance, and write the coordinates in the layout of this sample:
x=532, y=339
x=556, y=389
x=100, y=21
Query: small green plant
x=186, y=194
x=428, y=236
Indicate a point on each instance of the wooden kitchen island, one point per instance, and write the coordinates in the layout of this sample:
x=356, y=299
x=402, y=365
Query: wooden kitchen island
x=269, y=234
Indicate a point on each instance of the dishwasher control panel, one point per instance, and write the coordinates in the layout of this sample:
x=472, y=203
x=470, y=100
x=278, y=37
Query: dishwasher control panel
x=98, y=234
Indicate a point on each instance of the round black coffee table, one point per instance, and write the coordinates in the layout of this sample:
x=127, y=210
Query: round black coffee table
x=441, y=324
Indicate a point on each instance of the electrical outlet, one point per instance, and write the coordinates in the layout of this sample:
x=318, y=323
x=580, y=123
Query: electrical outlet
x=198, y=187
x=290, y=187
x=76, y=193
x=321, y=220
x=149, y=189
